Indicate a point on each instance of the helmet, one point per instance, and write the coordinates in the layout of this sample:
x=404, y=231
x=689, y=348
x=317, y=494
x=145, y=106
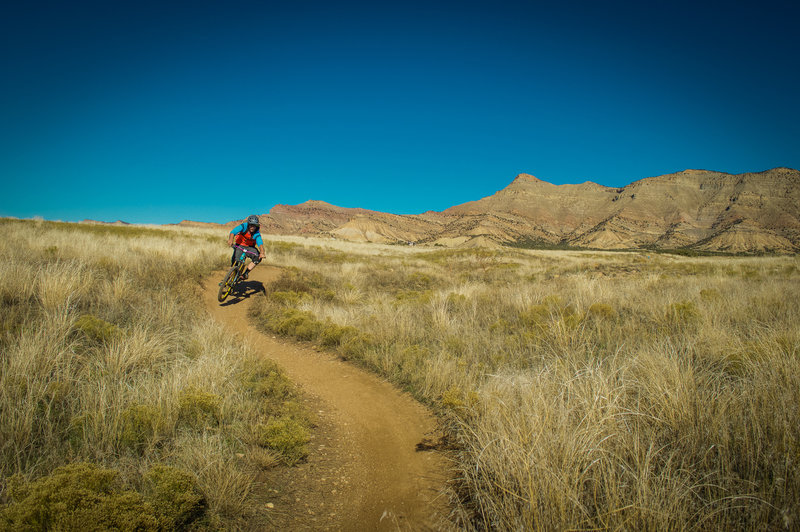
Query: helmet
x=253, y=220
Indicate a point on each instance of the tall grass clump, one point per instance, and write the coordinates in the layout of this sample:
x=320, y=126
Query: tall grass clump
x=581, y=390
x=122, y=406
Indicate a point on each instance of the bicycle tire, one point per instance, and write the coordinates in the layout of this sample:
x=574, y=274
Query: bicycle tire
x=227, y=284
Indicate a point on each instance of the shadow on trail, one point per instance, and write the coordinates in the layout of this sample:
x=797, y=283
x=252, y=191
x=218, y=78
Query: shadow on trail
x=242, y=291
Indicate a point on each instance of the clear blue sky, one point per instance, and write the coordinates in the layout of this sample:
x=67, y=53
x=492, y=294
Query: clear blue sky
x=154, y=112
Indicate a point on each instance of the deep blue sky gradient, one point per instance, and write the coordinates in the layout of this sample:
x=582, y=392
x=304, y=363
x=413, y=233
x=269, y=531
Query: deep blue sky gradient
x=154, y=112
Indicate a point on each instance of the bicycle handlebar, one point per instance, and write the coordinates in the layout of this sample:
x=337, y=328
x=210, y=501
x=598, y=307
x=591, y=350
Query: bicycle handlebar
x=245, y=250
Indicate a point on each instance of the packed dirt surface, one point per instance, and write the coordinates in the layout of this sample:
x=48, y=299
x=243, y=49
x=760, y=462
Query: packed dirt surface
x=364, y=471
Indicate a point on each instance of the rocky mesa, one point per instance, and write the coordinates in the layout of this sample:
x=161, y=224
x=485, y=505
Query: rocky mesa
x=693, y=209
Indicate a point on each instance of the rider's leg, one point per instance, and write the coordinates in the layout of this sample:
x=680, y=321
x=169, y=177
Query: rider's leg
x=253, y=261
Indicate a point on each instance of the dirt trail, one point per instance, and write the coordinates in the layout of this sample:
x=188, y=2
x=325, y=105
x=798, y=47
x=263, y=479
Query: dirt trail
x=364, y=472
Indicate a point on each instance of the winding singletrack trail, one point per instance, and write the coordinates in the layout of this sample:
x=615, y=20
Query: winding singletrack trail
x=364, y=471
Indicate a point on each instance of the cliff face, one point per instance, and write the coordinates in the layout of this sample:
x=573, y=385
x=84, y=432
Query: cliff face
x=695, y=209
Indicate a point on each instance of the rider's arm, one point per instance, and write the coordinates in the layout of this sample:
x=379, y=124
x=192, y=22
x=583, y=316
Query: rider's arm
x=260, y=245
x=235, y=231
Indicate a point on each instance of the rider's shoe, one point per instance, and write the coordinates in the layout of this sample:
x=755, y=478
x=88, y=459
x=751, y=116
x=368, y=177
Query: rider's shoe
x=246, y=274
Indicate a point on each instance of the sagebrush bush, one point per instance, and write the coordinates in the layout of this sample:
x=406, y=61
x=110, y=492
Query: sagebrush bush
x=96, y=329
x=682, y=313
x=198, y=408
x=174, y=495
x=601, y=311
x=286, y=436
x=84, y=496
x=78, y=496
x=267, y=381
x=138, y=427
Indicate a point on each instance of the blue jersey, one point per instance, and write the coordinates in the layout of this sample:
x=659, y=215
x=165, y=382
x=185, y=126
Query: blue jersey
x=241, y=229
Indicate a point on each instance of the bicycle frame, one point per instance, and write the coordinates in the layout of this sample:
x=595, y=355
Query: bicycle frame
x=235, y=273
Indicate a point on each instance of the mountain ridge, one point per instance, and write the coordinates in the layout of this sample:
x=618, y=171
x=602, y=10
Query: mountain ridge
x=695, y=209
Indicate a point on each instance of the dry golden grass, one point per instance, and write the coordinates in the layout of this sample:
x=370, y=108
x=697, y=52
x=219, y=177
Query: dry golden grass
x=584, y=390
x=106, y=358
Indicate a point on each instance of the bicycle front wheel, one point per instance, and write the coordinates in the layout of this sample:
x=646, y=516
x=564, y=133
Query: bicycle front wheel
x=227, y=284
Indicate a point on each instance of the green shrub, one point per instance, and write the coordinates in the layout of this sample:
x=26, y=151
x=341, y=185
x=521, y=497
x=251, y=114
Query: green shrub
x=298, y=323
x=174, y=495
x=683, y=313
x=293, y=280
x=386, y=279
x=414, y=356
x=96, y=329
x=414, y=297
x=287, y=299
x=602, y=311
x=535, y=316
x=457, y=400
x=288, y=322
x=78, y=496
x=570, y=317
x=266, y=379
x=333, y=335
x=283, y=247
x=355, y=345
x=198, y=408
x=452, y=398
x=452, y=344
x=138, y=427
x=286, y=436
x=420, y=281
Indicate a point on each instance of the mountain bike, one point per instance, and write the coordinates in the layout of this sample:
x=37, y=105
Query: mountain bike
x=235, y=274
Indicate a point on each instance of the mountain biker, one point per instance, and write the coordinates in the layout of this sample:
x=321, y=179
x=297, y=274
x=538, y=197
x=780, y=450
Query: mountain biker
x=247, y=236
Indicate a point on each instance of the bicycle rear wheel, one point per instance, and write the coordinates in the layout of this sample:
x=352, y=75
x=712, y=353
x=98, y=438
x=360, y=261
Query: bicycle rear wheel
x=227, y=284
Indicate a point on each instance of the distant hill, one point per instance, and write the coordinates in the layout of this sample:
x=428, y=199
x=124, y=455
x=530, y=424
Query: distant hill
x=693, y=209
x=118, y=222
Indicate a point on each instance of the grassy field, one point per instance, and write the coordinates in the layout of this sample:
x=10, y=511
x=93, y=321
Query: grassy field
x=581, y=390
x=121, y=404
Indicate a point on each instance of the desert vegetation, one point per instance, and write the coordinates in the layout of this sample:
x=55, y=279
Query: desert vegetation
x=122, y=406
x=581, y=390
